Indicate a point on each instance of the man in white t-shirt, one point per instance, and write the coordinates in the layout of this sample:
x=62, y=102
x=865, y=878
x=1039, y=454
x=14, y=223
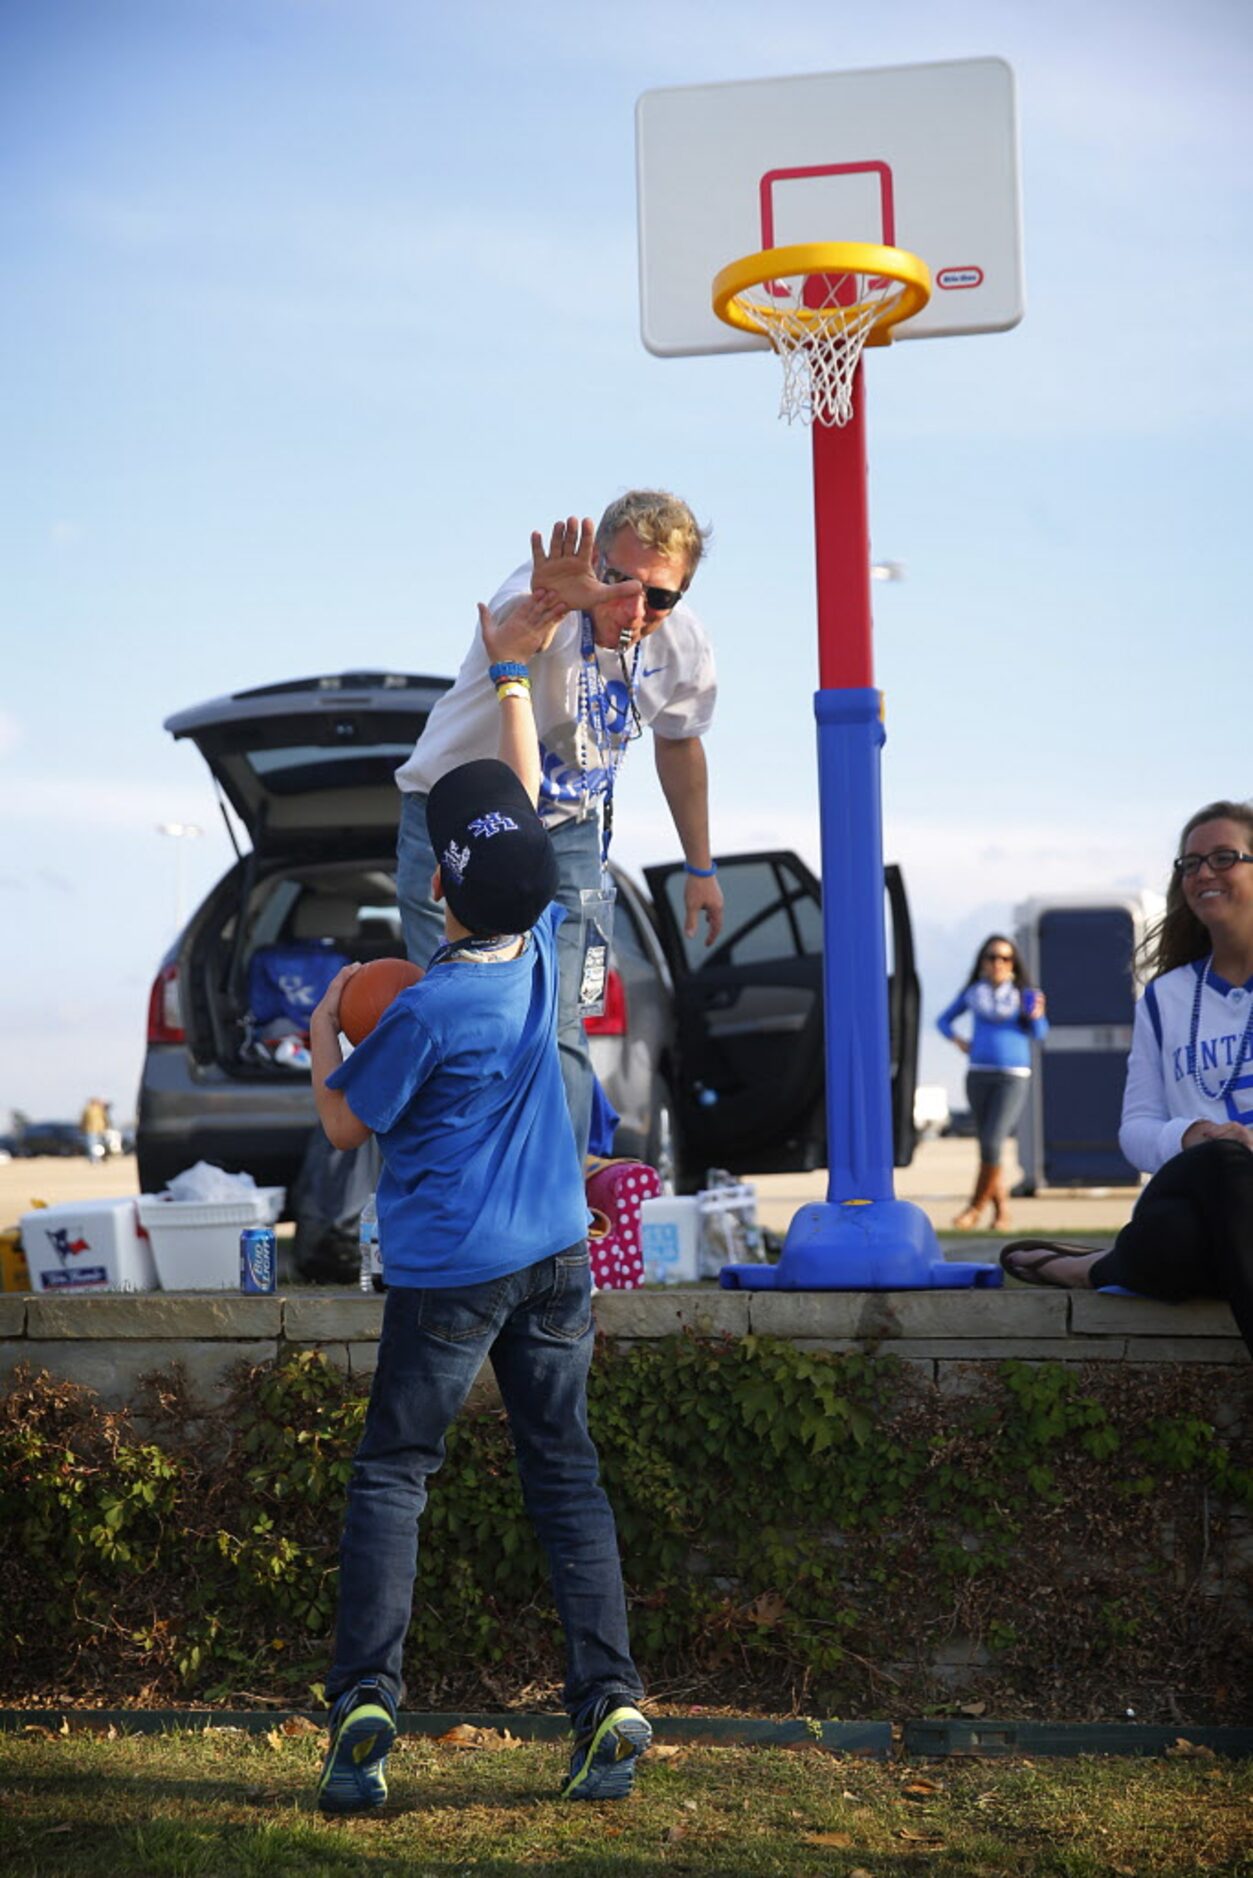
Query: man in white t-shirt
x=616, y=662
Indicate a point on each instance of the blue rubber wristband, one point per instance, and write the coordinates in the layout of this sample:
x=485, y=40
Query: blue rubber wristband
x=508, y=668
x=701, y=873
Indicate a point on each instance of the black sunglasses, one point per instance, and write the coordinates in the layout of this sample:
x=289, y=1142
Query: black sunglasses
x=656, y=599
x=1219, y=862
x=998, y=958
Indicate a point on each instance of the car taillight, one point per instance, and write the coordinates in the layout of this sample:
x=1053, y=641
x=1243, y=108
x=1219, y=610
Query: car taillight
x=612, y=1021
x=165, y=1016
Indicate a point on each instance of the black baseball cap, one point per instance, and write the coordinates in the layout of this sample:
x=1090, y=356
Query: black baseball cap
x=496, y=862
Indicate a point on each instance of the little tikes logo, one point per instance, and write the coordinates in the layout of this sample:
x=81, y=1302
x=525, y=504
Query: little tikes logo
x=952, y=278
x=68, y=1250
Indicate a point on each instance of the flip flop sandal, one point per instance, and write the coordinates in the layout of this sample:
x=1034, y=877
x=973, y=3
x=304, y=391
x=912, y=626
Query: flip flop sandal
x=1053, y=1250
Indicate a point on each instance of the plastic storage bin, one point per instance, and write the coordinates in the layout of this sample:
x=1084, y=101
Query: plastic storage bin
x=87, y=1245
x=195, y=1243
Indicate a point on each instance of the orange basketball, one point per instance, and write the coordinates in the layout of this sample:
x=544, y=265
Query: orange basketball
x=368, y=993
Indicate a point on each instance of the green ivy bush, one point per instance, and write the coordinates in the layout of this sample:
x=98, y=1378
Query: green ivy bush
x=799, y=1530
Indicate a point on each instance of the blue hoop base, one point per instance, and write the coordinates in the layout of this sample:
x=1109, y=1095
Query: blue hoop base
x=871, y=1245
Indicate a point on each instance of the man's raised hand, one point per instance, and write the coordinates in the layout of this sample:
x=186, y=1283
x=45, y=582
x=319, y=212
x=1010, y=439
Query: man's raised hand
x=565, y=567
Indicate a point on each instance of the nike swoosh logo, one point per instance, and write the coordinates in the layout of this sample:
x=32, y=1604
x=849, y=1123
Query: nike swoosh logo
x=650, y=669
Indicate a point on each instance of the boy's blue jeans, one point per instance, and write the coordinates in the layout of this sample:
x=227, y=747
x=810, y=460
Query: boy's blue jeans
x=537, y=1326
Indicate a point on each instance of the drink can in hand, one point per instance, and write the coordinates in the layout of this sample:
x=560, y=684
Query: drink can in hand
x=1030, y=1001
x=257, y=1259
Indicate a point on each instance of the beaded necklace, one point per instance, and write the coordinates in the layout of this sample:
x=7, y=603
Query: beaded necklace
x=592, y=707
x=1194, y=1054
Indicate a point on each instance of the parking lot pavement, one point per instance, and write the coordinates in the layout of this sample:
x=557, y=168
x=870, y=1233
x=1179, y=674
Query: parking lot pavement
x=939, y=1181
x=54, y=1180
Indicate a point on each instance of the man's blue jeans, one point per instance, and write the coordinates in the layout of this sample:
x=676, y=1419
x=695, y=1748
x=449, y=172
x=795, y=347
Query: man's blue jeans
x=577, y=848
x=537, y=1326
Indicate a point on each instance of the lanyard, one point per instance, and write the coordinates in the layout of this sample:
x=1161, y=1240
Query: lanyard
x=593, y=709
x=471, y=948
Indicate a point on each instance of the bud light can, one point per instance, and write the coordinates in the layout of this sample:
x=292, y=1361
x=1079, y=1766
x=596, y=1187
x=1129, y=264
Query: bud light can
x=257, y=1259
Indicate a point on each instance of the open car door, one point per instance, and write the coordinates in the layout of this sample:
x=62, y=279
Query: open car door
x=748, y=1016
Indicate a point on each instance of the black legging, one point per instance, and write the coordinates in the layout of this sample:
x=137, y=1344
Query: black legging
x=1191, y=1234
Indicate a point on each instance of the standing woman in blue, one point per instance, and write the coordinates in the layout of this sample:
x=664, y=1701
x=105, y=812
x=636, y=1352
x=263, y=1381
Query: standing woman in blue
x=1006, y=1013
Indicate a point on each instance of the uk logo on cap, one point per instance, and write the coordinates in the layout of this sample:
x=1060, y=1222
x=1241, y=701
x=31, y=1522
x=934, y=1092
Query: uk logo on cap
x=493, y=823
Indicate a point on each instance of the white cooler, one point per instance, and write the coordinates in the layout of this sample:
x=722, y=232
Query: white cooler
x=87, y=1245
x=196, y=1242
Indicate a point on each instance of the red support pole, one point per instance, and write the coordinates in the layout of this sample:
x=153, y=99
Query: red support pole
x=842, y=549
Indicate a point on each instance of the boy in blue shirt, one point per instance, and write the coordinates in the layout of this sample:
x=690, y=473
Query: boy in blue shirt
x=482, y=1225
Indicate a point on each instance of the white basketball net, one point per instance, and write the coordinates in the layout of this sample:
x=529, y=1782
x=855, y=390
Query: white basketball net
x=818, y=324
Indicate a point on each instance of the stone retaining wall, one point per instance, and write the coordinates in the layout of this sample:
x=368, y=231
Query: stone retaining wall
x=110, y=1340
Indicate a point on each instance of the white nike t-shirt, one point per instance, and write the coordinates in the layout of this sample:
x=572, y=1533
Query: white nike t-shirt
x=672, y=682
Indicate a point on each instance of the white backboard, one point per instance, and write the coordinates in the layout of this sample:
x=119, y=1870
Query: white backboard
x=922, y=157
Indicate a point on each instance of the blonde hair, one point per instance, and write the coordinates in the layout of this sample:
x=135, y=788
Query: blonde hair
x=1178, y=936
x=661, y=521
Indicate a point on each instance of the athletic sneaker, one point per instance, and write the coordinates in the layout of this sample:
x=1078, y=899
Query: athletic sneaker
x=602, y=1766
x=363, y=1727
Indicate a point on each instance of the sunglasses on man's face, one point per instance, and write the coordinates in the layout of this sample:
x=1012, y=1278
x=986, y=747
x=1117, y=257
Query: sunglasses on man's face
x=656, y=599
x=1220, y=861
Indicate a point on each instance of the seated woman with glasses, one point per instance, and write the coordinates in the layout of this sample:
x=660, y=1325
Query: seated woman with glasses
x=1187, y=1115
x=1007, y=1013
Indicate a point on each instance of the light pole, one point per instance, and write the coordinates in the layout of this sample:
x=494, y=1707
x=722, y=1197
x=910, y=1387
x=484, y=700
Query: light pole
x=180, y=831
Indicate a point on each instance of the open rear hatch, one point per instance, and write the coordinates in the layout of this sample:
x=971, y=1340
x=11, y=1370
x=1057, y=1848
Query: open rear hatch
x=308, y=769
x=309, y=766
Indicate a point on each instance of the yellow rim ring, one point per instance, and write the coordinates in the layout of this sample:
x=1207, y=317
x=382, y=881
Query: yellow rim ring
x=823, y=257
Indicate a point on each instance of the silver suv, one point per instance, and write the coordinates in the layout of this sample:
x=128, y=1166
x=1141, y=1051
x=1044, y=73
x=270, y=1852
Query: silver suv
x=710, y=1058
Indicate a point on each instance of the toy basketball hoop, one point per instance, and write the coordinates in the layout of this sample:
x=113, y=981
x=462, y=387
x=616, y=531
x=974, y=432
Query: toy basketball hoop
x=774, y=164
x=818, y=304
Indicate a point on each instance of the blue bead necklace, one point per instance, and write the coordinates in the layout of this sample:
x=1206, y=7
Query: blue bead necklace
x=1194, y=1053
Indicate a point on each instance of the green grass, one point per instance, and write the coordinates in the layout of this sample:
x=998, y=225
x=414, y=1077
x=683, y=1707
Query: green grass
x=170, y=1806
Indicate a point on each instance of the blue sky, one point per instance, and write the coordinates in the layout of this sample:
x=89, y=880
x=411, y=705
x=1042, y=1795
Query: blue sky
x=314, y=308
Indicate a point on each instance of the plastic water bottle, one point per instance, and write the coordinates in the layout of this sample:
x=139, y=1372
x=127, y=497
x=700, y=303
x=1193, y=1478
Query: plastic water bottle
x=368, y=1240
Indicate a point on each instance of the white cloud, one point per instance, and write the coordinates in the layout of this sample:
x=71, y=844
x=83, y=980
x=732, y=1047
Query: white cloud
x=950, y=866
x=10, y=733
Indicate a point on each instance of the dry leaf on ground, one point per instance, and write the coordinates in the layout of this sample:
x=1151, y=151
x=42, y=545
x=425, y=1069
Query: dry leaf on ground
x=465, y=1735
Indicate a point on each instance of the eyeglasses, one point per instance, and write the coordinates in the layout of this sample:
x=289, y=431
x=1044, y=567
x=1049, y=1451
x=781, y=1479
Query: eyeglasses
x=998, y=958
x=1221, y=861
x=656, y=599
